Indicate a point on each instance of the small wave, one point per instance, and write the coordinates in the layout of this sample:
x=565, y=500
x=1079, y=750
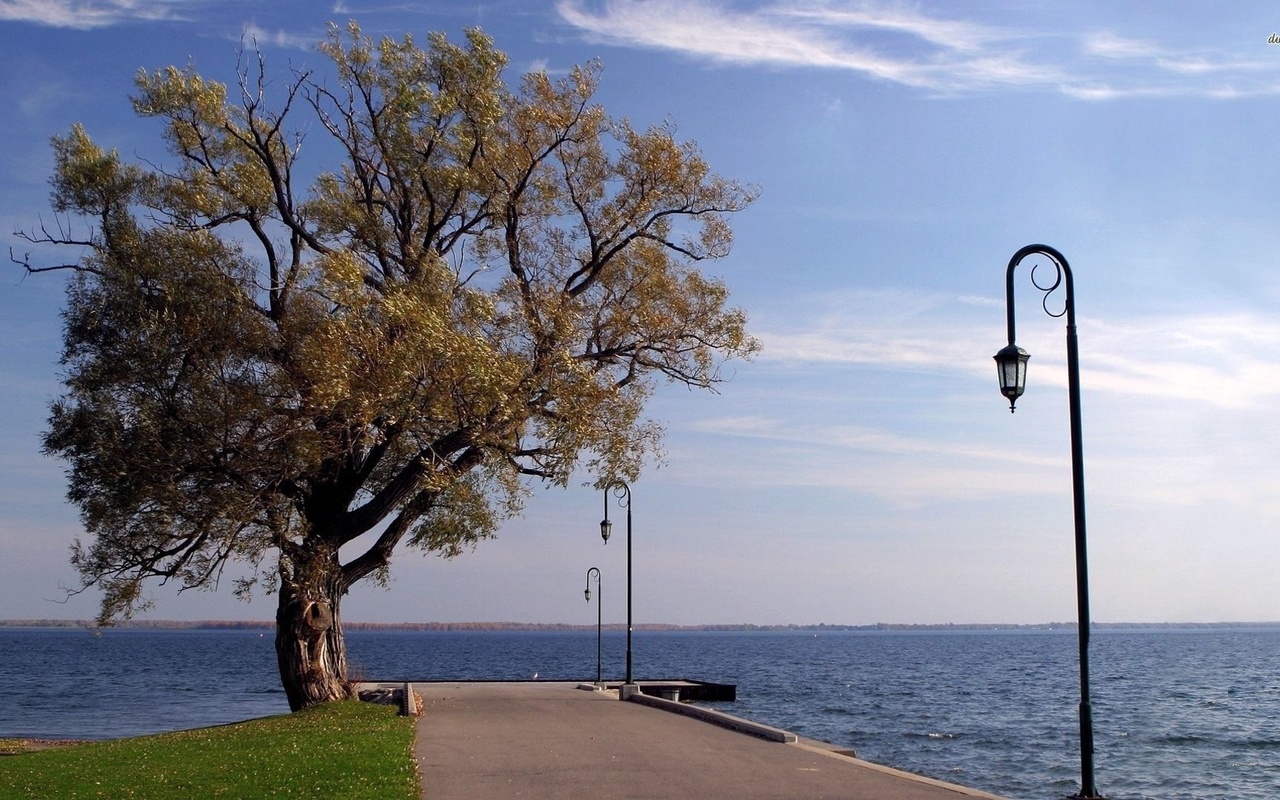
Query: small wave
x=1181, y=741
x=1191, y=740
x=935, y=735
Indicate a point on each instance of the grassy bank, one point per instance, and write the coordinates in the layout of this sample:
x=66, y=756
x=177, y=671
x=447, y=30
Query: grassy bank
x=338, y=750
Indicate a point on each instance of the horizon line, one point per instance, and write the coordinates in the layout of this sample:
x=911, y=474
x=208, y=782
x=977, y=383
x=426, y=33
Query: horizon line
x=507, y=625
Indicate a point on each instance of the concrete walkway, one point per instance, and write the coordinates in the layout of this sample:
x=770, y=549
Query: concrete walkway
x=497, y=741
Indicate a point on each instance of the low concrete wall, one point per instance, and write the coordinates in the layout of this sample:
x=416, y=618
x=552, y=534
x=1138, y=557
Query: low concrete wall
x=717, y=718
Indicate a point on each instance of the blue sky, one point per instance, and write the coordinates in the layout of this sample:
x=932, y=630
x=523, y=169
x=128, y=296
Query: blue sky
x=864, y=467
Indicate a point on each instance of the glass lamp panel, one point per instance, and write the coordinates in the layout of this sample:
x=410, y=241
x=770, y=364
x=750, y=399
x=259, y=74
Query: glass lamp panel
x=1011, y=368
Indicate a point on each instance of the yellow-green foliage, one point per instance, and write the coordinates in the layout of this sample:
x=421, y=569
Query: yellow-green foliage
x=484, y=287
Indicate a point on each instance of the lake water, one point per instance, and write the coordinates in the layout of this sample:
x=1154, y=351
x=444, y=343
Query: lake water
x=1178, y=714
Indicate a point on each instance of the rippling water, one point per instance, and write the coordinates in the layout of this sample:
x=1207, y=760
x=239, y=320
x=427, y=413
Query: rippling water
x=1178, y=714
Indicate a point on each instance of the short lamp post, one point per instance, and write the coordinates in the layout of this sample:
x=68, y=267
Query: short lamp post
x=1011, y=365
x=623, y=493
x=599, y=601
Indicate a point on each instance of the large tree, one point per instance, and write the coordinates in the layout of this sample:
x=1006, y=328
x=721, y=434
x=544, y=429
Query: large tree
x=300, y=368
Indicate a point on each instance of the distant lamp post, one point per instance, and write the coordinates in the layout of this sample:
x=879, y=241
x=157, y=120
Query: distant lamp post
x=599, y=599
x=623, y=493
x=1011, y=364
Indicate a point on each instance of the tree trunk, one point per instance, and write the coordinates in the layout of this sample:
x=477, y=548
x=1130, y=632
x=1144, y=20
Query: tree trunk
x=310, y=648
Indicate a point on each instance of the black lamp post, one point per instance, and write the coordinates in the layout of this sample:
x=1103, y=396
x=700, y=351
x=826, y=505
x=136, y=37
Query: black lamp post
x=1011, y=364
x=599, y=599
x=623, y=493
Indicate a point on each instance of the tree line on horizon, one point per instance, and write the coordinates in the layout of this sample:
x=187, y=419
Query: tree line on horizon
x=143, y=624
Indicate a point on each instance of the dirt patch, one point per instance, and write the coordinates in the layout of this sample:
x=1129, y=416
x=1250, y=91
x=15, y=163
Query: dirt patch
x=13, y=747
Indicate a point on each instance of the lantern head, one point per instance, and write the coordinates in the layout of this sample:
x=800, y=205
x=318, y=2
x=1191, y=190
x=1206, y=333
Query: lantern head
x=1011, y=368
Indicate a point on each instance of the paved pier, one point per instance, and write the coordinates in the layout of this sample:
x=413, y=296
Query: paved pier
x=554, y=741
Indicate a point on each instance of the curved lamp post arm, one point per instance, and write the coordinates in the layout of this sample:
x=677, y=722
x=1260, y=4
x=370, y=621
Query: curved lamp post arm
x=1062, y=277
x=622, y=492
x=1011, y=361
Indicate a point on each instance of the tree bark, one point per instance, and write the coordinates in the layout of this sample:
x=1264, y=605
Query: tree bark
x=310, y=648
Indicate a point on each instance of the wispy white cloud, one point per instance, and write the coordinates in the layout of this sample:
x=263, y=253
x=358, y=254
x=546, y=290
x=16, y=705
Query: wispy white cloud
x=1157, y=389
x=87, y=14
x=899, y=43
x=1221, y=361
x=900, y=469
x=952, y=34
x=712, y=32
x=862, y=438
x=1143, y=67
x=283, y=39
x=894, y=329
x=1106, y=44
x=92, y=14
x=1224, y=361
x=51, y=93
x=780, y=35
x=1109, y=45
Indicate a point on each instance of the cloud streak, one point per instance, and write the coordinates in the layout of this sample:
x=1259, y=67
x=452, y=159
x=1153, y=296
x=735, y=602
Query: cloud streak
x=865, y=439
x=895, y=43
x=282, y=39
x=1157, y=390
x=899, y=470
x=87, y=14
x=1223, y=361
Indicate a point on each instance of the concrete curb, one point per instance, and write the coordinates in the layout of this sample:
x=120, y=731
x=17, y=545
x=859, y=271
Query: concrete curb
x=408, y=705
x=717, y=718
x=812, y=745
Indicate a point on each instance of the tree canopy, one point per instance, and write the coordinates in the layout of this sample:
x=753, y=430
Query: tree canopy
x=267, y=358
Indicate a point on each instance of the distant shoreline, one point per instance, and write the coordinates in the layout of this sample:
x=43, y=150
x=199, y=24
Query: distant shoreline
x=553, y=626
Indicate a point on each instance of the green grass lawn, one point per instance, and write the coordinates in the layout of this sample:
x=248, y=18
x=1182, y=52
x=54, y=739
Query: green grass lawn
x=346, y=750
